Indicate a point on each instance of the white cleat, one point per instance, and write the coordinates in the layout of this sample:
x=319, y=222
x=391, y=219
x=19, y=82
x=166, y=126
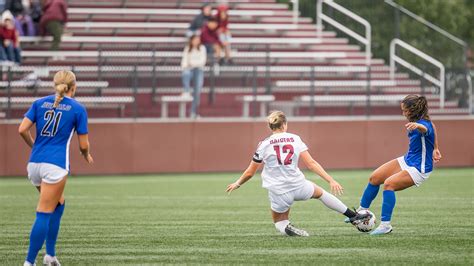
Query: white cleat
x=290, y=230
x=382, y=230
x=51, y=261
x=28, y=264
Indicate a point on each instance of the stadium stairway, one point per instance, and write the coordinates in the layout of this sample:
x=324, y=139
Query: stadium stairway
x=136, y=47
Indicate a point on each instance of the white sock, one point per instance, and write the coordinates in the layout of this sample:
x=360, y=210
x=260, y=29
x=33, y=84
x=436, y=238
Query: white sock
x=332, y=202
x=361, y=209
x=281, y=225
x=385, y=223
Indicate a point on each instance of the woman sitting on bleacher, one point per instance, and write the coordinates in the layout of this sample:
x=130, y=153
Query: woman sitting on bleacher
x=10, y=41
x=193, y=62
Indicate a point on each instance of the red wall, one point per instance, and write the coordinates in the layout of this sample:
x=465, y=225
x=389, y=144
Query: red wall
x=145, y=147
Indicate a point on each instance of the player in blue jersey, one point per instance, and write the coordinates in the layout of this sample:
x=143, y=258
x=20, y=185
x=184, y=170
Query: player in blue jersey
x=412, y=169
x=57, y=117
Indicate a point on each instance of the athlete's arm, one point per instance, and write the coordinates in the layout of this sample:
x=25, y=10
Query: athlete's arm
x=315, y=167
x=84, y=147
x=412, y=126
x=24, y=131
x=248, y=173
x=436, y=153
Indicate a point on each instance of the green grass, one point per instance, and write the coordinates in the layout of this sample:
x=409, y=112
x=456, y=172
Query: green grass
x=188, y=219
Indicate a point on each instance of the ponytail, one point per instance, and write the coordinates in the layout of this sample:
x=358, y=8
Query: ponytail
x=61, y=89
x=64, y=81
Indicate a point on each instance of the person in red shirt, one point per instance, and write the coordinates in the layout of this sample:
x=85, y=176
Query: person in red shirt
x=224, y=32
x=53, y=20
x=10, y=41
x=210, y=38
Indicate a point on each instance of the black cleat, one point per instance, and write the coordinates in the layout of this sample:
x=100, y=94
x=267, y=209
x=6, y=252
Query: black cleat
x=293, y=231
x=360, y=217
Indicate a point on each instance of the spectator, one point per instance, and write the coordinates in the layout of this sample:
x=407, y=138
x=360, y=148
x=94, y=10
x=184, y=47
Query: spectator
x=11, y=42
x=224, y=33
x=53, y=20
x=35, y=12
x=20, y=10
x=210, y=38
x=200, y=20
x=192, y=63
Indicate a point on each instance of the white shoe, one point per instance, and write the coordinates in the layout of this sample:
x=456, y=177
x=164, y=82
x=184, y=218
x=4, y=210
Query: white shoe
x=28, y=264
x=51, y=261
x=382, y=230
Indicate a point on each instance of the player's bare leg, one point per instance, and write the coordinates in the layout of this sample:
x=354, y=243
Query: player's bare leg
x=396, y=182
x=376, y=179
x=384, y=171
x=284, y=226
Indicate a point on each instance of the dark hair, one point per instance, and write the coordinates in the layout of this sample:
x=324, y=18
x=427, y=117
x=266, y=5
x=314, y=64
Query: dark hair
x=212, y=19
x=416, y=107
x=190, y=43
x=205, y=5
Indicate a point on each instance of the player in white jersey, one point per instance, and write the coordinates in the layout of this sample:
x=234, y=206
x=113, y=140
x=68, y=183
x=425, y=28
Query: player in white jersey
x=285, y=182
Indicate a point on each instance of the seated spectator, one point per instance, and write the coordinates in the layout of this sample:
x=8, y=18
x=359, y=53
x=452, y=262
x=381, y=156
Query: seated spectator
x=224, y=33
x=11, y=42
x=192, y=63
x=22, y=20
x=200, y=20
x=53, y=20
x=210, y=38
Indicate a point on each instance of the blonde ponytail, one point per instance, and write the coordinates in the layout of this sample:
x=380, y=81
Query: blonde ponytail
x=276, y=120
x=63, y=82
x=61, y=89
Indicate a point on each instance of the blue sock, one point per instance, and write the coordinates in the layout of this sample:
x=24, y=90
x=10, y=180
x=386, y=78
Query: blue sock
x=38, y=235
x=369, y=195
x=388, y=205
x=54, y=224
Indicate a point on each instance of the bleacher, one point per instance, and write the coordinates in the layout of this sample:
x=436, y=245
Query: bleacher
x=135, y=47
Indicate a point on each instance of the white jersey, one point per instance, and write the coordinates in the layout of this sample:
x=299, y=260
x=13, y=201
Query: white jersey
x=280, y=153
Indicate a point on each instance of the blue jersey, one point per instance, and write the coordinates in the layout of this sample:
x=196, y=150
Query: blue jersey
x=55, y=128
x=420, y=150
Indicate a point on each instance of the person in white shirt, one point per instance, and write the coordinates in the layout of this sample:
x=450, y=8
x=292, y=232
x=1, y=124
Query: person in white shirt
x=192, y=63
x=285, y=182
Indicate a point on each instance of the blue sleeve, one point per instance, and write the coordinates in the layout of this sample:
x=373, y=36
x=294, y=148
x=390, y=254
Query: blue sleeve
x=31, y=113
x=81, y=122
x=428, y=126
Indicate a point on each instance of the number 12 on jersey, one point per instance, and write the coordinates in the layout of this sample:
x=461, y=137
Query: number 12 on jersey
x=288, y=149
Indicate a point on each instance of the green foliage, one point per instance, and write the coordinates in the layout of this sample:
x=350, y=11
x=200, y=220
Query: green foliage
x=454, y=16
x=190, y=220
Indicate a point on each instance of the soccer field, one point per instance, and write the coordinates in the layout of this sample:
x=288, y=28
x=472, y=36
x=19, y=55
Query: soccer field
x=188, y=219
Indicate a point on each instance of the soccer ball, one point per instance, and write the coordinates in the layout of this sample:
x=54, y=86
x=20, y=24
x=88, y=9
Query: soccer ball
x=367, y=225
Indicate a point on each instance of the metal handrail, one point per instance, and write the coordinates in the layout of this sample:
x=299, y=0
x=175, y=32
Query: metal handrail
x=320, y=17
x=426, y=23
x=396, y=59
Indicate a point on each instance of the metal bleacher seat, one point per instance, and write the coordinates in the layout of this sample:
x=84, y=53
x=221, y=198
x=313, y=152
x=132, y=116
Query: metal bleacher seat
x=281, y=56
x=110, y=102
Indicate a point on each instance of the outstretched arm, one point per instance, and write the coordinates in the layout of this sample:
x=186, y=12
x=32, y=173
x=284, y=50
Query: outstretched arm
x=316, y=168
x=24, y=131
x=248, y=173
x=412, y=126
